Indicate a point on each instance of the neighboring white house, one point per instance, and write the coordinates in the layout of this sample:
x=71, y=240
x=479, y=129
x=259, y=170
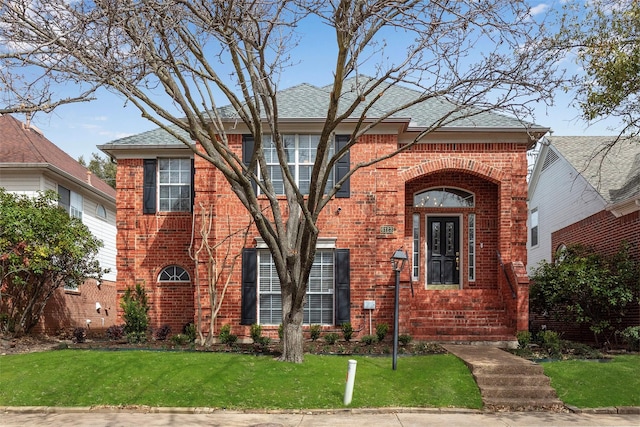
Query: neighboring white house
x=30, y=163
x=576, y=178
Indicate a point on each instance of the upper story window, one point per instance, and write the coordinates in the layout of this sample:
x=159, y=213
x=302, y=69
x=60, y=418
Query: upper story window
x=71, y=202
x=101, y=212
x=301, y=153
x=174, y=273
x=168, y=185
x=533, y=225
x=444, y=198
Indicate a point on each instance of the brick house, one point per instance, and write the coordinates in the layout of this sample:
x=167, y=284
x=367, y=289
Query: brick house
x=30, y=163
x=456, y=202
x=577, y=195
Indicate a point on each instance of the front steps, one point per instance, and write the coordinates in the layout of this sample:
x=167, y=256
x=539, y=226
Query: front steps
x=506, y=381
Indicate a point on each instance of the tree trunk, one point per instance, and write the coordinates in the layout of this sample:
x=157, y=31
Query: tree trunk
x=292, y=345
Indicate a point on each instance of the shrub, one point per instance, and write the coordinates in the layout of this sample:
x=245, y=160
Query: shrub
x=256, y=333
x=136, y=308
x=550, y=342
x=115, y=332
x=190, y=331
x=368, y=339
x=79, y=335
x=314, y=331
x=162, y=333
x=180, y=339
x=331, y=338
x=631, y=337
x=226, y=337
x=347, y=331
x=381, y=331
x=280, y=331
x=404, y=339
x=524, y=339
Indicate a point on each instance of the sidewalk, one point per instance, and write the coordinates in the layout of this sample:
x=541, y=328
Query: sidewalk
x=13, y=417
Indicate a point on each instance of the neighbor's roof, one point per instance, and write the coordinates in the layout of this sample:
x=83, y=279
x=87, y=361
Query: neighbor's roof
x=305, y=101
x=614, y=174
x=23, y=146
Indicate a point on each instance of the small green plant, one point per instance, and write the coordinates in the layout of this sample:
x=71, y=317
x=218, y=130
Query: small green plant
x=347, y=331
x=631, y=337
x=135, y=306
x=368, y=339
x=162, y=333
x=524, y=339
x=190, y=331
x=331, y=338
x=314, y=332
x=550, y=342
x=404, y=339
x=180, y=339
x=79, y=335
x=226, y=337
x=280, y=332
x=381, y=331
x=256, y=333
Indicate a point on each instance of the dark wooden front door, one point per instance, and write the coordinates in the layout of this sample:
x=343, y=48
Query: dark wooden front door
x=443, y=257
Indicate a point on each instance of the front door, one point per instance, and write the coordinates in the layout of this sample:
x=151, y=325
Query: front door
x=443, y=250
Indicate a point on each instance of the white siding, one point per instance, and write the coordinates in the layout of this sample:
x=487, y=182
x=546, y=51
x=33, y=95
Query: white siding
x=103, y=230
x=20, y=182
x=562, y=197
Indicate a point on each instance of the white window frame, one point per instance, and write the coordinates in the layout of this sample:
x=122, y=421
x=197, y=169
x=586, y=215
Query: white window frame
x=320, y=289
x=174, y=273
x=174, y=178
x=301, y=151
x=101, y=212
x=534, y=227
x=471, y=227
x=415, y=259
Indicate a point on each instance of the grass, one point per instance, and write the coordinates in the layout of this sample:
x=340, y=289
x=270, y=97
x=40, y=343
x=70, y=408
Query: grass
x=221, y=380
x=589, y=384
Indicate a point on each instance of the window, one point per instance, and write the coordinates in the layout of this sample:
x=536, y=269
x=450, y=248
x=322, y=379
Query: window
x=534, y=227
x=174, y=190
x=301, y=154
x=320, y=290
x=71, y=202
x=168, y=185
x=472, y=247
x=416, y=248
x=101, y=212
x=444, y=198
x=561, y=253
x=173, y=273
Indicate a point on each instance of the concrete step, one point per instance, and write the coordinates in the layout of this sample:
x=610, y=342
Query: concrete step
x=523, y=404
x=516, y=381
x=519, y=392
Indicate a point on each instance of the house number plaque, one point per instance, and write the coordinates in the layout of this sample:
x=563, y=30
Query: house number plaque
x=387, y=229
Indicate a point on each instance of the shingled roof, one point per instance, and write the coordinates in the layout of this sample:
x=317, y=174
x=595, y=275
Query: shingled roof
x=23, y=146
x=614, y=174
x=306, y=101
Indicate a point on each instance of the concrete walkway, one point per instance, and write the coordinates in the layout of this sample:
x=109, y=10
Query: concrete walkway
x=76, y=417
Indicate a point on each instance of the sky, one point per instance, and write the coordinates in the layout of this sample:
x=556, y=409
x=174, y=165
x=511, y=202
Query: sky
x=79, y=128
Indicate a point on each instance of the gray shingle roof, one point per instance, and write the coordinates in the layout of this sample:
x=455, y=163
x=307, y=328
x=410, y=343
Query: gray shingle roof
x=305, y=101
x=616, y=175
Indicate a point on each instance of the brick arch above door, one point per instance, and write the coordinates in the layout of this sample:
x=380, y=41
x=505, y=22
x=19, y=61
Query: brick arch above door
x=474, y=167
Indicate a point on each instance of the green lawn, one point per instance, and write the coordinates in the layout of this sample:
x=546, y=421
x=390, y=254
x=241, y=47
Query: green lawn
x=200, y=379
x=590, y=384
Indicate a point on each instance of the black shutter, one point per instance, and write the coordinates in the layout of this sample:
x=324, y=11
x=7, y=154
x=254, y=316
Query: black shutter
x=342, y=167
x=193, y=181
x=149, y=186
x=248, y=145
x=343, y=288
x=249, y=286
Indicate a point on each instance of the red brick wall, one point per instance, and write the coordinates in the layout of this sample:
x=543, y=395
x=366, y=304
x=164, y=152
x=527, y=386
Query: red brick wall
x=71, y=309
x=379, y=197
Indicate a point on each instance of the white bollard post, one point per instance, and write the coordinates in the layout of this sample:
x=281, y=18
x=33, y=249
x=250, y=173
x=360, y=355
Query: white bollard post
x=351, y=379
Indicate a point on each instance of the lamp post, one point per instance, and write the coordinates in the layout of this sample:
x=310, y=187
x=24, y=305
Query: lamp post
x=398, y=260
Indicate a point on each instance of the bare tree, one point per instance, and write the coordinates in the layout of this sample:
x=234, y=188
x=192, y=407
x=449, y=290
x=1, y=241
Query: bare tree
x=217, y=275
x=177, y=60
